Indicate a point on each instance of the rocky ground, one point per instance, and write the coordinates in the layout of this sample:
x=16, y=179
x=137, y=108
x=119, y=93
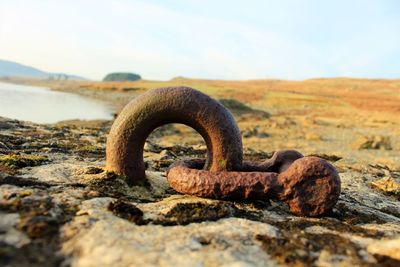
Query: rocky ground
x=58, y=207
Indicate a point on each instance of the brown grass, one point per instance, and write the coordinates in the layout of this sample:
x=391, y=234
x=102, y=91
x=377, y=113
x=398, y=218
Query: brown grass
x=334, y=97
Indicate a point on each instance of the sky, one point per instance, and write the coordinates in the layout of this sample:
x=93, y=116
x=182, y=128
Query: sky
x=212, y=39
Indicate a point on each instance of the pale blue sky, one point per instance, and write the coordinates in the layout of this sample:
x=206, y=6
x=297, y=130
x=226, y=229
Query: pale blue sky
x=285, y=39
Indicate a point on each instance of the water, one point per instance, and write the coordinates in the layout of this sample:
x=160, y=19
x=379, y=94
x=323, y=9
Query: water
x=42, y=105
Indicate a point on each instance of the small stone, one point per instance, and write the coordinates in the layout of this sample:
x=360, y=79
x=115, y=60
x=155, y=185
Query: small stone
x=388, y=185
x=312, y=137
x=166, y=154
x=374, y=142
x=389, y=248
x=39, y=226
x=126, y=211
x=149, y=147
x=326, y=258
x=254, y=133
x=301, y=253
x=4, y=146
x=93, y=170
x=8, y=233
x=92, y=194
x=262, y=135
x=249, y=133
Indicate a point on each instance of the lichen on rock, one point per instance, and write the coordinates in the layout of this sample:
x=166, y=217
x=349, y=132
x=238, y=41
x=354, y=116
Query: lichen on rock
x=15, y=161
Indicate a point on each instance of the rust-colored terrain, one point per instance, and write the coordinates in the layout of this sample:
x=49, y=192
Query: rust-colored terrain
x=339, y=117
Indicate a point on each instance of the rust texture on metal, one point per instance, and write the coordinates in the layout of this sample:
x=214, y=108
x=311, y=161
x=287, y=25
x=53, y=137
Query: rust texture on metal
x=309, y=185
x=125, y=143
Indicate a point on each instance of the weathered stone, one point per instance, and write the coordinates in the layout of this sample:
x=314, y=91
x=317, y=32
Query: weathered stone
x=389, y=248
x=220, y=243
x=374, y=142
x=312, y=136
x=388, y=185
x=70, y=196
x=8, y=233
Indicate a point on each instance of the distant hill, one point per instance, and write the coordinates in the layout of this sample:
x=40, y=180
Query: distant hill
x=122, y=76
x=14, y=69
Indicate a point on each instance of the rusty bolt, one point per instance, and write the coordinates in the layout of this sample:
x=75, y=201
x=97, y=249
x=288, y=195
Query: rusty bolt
x=124, y=151
x=309, y=185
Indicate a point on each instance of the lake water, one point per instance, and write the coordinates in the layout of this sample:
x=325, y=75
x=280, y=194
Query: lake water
x=42, y=105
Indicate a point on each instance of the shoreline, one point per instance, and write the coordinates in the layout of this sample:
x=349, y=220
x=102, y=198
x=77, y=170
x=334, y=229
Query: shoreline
x=113, y=99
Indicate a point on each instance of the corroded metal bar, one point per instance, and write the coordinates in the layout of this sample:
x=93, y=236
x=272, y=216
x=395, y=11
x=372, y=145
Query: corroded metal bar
x=124, y=151
x=310, y=185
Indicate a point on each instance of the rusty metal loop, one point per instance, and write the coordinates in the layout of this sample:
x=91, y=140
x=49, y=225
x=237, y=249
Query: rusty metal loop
x=125, y=143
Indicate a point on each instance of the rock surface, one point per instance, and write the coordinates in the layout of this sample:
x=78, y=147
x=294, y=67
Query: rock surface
x=67, y=211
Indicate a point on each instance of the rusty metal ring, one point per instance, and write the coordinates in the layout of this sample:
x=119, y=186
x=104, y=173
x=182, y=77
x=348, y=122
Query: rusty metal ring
x=125, y=143
x=309, y=185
